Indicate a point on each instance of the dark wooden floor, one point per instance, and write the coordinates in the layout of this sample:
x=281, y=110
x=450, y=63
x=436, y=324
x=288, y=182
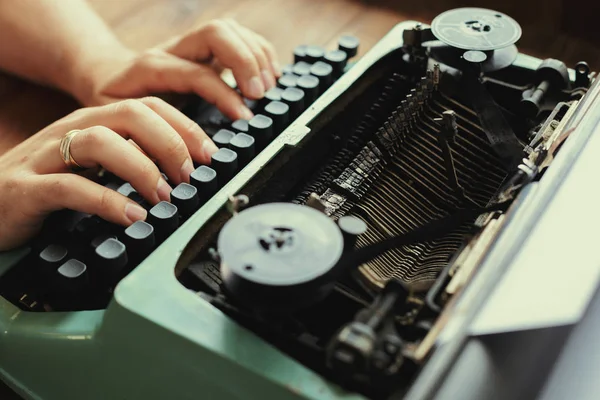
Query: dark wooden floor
x=286, y=23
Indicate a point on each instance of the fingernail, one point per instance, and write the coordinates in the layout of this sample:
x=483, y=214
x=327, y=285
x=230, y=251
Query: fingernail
x=186, y=170
x=208, y=149
x=134, y=212
x=256, y=89
x=245, y=112
x=276, y=68
x=163, y=190
x=268, y=79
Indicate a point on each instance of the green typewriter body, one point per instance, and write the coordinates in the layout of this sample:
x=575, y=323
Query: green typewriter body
x=402, y=194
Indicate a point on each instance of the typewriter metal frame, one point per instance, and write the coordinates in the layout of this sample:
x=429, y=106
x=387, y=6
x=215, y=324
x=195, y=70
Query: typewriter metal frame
x=115, y=351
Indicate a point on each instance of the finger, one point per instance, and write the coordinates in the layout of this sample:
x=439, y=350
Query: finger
x=132, y=119
x=269, y=51
x=249, y=38
x=185, y=76
x=74, y=192
x=200, y=146
x=99, y=145
x=219, y=40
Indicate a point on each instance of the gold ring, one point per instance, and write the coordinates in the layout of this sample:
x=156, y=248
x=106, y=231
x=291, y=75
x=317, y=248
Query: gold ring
x=65, y=150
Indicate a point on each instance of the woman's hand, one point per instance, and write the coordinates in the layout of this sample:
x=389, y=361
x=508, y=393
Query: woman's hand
x=188, y=64
x=35, y=181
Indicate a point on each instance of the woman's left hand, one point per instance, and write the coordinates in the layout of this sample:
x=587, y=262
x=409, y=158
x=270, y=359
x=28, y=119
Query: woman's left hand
x=189, y=64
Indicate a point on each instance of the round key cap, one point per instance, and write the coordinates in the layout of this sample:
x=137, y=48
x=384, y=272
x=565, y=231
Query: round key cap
x=260, y=127
x=52, y=257
x=139, y=239
x=300, y=53
x=310, y=85
x=185, y=197
x=164, y=217
x=286, y=81
x=243, y=145
x=287, y=69
x=240, y=125
x=101, y=238
x=294, y=98
x=349, y=45
x=205, y=180
x=126, y=189
x=338, y=60
x=273, y=94
x=223, y=137
x=279, y=113
x=72, y=276
x=224, y=162
x=324, y=72
x=111, y=256
x=301, y=68
x=314, y=54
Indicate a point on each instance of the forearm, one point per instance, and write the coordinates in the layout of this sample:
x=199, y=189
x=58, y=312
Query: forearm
x=55, y=42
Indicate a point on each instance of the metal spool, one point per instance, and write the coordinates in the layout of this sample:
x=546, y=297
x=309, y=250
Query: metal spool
x=278, y=256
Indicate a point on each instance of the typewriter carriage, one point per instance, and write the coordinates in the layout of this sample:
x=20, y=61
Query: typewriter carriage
x=385, y=328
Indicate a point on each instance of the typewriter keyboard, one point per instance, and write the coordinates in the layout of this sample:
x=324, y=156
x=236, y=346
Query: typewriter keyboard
x=78, y=257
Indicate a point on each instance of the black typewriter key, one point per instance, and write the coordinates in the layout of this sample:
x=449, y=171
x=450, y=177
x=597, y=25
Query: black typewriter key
x=52, y=257
x=310, y=85
x=279, y=112
x=294, y=98
x=287, y=69
x=300, y=53
x=101, y=238
x=240, y=125
x=216, y=118
x=164, y=217
x=139, y=239
x=72, y=276
x=251, y=104
x=126, y=189
x=243, y=145
x=225, y=164
x=139, y=199
x=90, y=227
x=349, y=45
x=301, y=68
x=314, y=54
x=286, y=81
x=273, y=94
x=223, y=137
x=261, y=129
x=338, y=60
x=111, y=256
x=185, y=197
x=205, y=180
x=324, y=72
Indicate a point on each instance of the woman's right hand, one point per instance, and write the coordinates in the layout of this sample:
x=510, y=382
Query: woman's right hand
x=35, y=181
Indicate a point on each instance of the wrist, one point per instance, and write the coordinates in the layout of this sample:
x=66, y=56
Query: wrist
x=87, y=70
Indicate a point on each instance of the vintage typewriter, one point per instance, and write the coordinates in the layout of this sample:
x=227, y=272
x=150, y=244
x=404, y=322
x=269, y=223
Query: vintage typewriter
x=410, y=226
